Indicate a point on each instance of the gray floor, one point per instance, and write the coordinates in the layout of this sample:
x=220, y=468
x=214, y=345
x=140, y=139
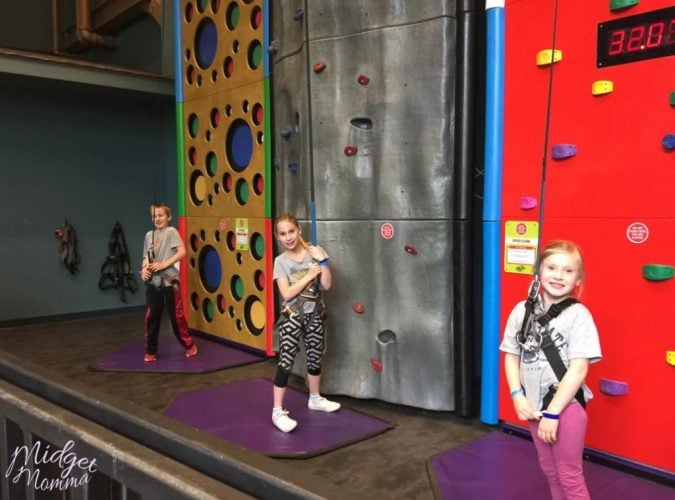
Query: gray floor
x=390, y=465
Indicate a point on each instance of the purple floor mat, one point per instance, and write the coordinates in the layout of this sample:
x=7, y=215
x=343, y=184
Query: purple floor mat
x=504, y=467
x=171, y=358
x=241, y=412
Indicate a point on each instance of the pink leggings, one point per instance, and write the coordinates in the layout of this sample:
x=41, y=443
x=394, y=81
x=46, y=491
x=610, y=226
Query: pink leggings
x=561, y=461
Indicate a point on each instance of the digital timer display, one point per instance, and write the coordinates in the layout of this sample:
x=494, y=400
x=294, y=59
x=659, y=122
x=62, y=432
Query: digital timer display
x=636, y=38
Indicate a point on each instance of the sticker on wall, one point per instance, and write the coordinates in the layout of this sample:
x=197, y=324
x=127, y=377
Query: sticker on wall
x=520, y=246
x=241, y=234
x=387, y=231
x=637, y=232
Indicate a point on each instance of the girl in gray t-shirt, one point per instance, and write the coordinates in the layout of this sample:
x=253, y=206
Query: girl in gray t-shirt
x=300, y=272
x=558, y=430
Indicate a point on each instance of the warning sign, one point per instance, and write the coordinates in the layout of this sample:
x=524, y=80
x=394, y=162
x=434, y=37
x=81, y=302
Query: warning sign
x=387, y=231
x=637, y=232
x=241, y=234
x=520, y=246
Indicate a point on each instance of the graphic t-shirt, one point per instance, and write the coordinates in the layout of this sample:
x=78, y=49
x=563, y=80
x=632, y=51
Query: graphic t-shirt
x=166, y=242
x=285, y=267
x=575, y=336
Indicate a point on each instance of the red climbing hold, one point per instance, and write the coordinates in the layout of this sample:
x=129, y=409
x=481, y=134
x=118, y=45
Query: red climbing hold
x=350, y=150
x=363, y=80
x=377, y=366
x=358, y=307
x=319, y=66
x=410, y=249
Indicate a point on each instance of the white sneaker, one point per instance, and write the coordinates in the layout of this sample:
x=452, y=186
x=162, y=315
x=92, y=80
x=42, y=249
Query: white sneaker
x=283, y=422
x=322, y=404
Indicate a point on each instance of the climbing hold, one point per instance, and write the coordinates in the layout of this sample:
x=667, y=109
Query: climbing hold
x=601, y=87
x=273, y=47
x=410, y=249
x=376, y=365
x=363, y=80
x=358, y=307
x=277, y=163
x=527, y=202
x=613, y=387
x=286, y=132
x=622, y=4
x=544, y=57
x=293, y=166
x=669, y=142
x=299, y=14
x=657, y=272
x=670, y=358
x=562, y=151
x=350, y=150
x=319, y=66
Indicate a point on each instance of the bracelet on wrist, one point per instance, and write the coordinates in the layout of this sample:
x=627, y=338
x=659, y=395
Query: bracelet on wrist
x=515, y=392
x=324, y=262
x=551, y=416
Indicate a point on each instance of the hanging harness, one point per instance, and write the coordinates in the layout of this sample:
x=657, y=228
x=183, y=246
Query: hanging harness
x=68, y=251
x=116, y=270
x=544, y=341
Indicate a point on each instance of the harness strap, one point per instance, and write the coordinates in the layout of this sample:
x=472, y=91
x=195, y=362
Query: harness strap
x=547, y=345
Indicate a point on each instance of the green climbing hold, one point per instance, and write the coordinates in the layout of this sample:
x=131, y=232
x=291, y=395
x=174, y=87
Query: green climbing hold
x=657, y=272
x=621, y=4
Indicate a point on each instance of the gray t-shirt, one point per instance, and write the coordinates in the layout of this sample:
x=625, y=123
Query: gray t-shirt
x=166, y=242
x=574, y=334
x=285, y=267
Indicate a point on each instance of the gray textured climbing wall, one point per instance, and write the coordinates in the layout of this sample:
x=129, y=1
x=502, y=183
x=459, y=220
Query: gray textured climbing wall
x=379, y=139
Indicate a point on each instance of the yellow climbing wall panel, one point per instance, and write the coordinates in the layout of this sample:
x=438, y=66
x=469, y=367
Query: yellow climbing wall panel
x=227, y=279
x=228, y=237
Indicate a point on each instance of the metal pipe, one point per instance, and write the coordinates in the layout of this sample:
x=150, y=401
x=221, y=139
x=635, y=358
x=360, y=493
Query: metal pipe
x=82, y=15
x=55, y=26
x=83, y=32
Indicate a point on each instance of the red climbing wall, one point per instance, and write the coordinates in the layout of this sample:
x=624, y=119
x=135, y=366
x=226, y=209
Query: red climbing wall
x=614, y=198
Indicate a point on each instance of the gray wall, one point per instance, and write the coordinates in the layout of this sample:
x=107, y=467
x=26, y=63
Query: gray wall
x=400, y=348
x=92, y=155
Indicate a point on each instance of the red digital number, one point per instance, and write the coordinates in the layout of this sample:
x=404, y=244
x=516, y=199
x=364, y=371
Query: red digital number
x=655, y=35
x=616, y=38
x=671, y=33
x=635, y=39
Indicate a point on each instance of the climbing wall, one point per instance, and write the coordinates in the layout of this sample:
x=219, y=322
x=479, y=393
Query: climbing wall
x=608, y=188
x=382, y=160
x=222, y=112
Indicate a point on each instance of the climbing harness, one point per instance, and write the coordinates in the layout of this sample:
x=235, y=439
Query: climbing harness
x=529, y=336
x=296, y=310
x=116, y=270
x=68, y=252
x=531, y=339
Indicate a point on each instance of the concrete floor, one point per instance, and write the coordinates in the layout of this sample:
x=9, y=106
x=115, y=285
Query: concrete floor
x=389, y=465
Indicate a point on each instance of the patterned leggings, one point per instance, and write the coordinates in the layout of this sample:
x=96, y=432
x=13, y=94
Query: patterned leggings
x=289, y=343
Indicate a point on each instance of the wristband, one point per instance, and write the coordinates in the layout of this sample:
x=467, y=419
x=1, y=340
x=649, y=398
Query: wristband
x=324, y=262
x=515, y=392
x=551, y=416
